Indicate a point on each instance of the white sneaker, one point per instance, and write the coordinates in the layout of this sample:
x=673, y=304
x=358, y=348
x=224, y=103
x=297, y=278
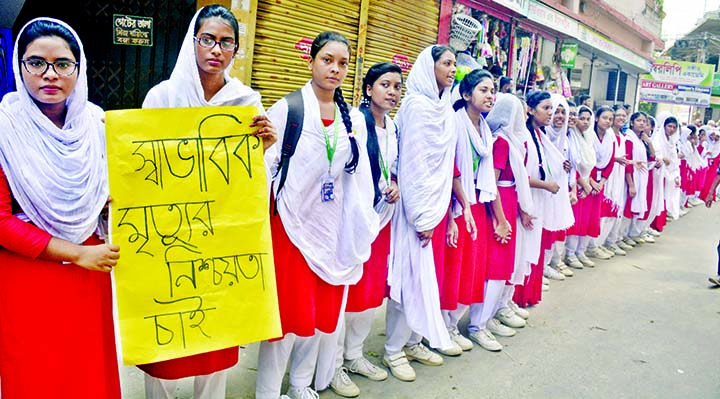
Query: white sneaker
x=545, y=280
x=624, y=246
x=399, y=366
x=562, y=268
x=342, y=385
x=683, y=212
x=422, y=354
x=545, y=287
x=696, y=201
x=486, y=340
x=509, y=318
x=362, y=366
x=649, y=239
x=638, y=240
x=453, y=350
x=617, y=250
x=495, y=327
x=653, y=232
x=518, y=310
x=464, y=343
x=629, y=241
x=574, y=262
x=585, y=261
x=596, y=253
x=553, y=274
x=302, y=393
x=609, y=253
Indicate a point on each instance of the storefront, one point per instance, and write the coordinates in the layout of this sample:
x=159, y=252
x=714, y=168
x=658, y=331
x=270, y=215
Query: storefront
x=378, y=31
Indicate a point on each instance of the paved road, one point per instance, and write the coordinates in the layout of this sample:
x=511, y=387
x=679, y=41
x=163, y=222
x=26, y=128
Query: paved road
x=642, y=326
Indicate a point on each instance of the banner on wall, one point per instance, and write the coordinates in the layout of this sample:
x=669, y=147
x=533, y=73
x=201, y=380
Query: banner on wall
x=568, y=55
x=190, y=214
x=678, y=82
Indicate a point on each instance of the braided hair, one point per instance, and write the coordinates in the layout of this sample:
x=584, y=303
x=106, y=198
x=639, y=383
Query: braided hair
x=373, y=147
x=468, y=84
x=320, y=41
x=533, y=100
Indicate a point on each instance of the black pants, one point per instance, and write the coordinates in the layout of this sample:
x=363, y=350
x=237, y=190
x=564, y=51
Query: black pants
x=718, y=251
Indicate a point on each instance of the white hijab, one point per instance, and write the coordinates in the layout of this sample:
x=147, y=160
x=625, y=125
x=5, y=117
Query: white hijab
x=692, y=156
x=559, y=135
x=58, y=176
x=507, y=120
x=425, y=167
x=603, y=148
x=639, y=203
x=184, y=89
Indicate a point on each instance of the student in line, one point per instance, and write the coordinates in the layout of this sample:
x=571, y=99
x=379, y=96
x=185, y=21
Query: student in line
x=56, y=329
x=201, y=79
x=323, y=223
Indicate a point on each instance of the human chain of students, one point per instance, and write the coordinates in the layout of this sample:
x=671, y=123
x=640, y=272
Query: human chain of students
x=465, y=204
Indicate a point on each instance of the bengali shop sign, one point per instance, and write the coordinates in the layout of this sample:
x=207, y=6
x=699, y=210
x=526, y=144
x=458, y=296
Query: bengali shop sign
x=190, y=213
x=678, y=82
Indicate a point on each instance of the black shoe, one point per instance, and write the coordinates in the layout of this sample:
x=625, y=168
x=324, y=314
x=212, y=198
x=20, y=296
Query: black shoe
x=715, y=280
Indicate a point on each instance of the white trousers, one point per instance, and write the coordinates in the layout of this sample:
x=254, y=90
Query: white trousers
x=211, y=386
x=273, y=359
x=606, y=229
x=577, y=245
x=480, y=313
x=638, y=227
x=452, y=317
x=399, y=334
x=357, y=328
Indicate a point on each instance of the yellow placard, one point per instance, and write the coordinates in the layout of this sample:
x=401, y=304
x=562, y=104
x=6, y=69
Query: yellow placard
x=190, y=214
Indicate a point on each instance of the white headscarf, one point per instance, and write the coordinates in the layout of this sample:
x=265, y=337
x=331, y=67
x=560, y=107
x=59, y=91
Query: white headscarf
x=425, y=167
x=581, y=146
x=603, y=148
x=559, y=135
x=640, y=177
x=666, y=148
x=184, y=89
x=507, y=120
x=692, y=157
x=58, y=176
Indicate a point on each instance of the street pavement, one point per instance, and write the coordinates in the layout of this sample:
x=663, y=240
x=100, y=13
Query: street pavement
x=642, y=326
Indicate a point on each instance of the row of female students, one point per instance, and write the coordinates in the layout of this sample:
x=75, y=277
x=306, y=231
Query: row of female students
x=441, y=211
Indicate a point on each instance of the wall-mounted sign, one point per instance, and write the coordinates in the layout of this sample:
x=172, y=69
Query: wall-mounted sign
x=304, y=46
x=677, y=82
x=132, y=30
x=568, y=55
x=519, y=6
x=402, y=61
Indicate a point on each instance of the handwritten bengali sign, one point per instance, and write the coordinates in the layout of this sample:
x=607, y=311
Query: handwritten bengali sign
x=132, y=30
x=190, y=213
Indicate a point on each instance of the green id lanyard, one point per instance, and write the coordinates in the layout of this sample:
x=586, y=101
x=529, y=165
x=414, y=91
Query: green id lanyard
x=331, y=150
x=385, y=167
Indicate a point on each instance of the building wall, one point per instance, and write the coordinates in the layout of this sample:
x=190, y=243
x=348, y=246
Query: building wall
x=639, y=12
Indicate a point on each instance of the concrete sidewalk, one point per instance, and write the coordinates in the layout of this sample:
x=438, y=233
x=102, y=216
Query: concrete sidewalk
x=641, y=326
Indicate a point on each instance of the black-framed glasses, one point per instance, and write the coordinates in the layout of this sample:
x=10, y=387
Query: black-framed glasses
x=38, y=66
x=225, y=45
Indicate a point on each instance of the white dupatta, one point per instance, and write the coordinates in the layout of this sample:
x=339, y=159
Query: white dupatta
x=425, y=168
x=471, y=144
x=638, y=203
x=507, y=121
x=581, y=148
x=58, y=176
x=666, y=149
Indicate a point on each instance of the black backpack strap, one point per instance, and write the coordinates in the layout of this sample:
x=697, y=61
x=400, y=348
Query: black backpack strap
x=293, y=128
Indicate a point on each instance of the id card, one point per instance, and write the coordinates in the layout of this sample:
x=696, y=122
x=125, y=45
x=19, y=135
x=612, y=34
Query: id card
x=327, y=188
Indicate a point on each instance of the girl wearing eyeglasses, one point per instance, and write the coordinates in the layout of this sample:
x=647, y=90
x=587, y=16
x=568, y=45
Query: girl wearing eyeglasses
x=56, y=329
x=201, y=78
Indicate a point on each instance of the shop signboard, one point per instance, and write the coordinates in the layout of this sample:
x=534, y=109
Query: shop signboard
x=611, y=48
x=678, y=82
x=519, y=6
x=716, y=84
x=132, y=30
x=547, y=16
x=568, y=55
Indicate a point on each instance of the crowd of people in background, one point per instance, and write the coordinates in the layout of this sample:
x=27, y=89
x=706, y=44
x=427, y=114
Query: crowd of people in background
x=466, y=204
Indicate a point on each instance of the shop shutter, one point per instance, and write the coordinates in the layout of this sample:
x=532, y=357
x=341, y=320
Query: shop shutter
x=278, y=67
x=398, y=32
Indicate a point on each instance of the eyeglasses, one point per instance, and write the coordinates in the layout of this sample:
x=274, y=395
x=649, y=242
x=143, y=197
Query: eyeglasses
x=38, y=66
x=225, y=45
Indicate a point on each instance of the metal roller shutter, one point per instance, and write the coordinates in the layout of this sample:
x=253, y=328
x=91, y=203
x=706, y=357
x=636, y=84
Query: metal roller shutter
x=278, y=67
x=398, y=32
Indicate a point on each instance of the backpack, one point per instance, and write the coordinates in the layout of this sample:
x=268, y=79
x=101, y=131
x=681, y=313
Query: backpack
x=293, y=128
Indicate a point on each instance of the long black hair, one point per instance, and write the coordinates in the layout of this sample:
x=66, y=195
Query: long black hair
x=219, y=11
x=635, y=116
x=533, y=100
x=598, y=114
x=320, y=41
x=467, y=85
x=44, y=28
x=373, y=146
